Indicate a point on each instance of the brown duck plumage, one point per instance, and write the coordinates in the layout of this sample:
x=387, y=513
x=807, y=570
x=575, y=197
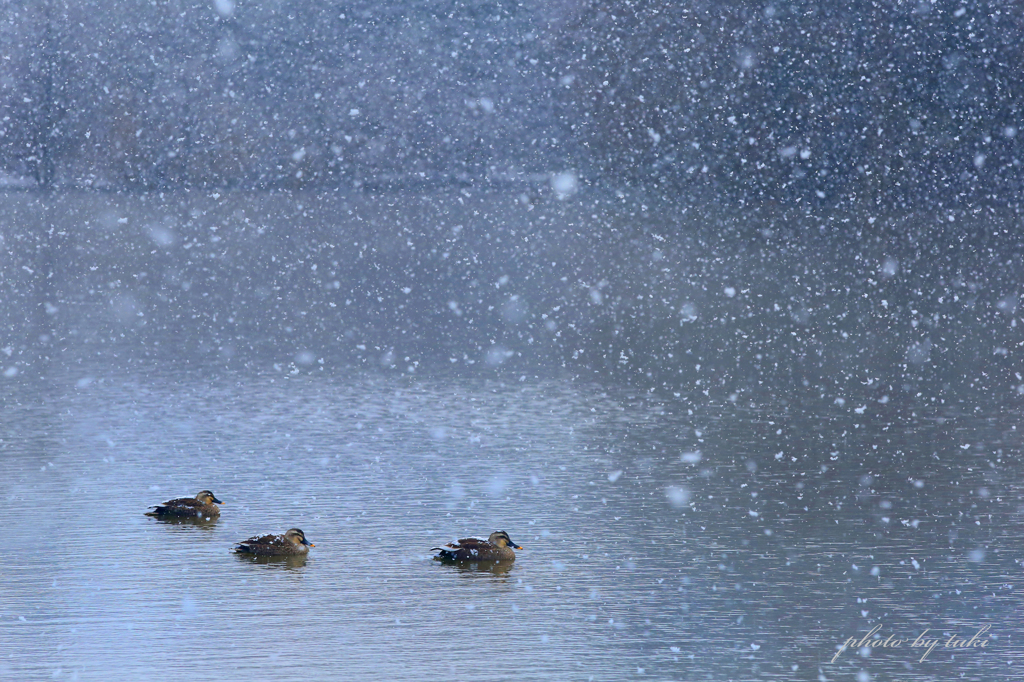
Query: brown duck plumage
x=292, y=543
x=497, y=548
x=202, y=506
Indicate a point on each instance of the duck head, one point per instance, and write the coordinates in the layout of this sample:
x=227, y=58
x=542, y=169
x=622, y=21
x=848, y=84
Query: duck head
x=206, y=497
x=500, y=538
x=297, y=537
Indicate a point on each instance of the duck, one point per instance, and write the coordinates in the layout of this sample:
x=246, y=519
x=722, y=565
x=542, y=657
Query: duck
x=202, y=506
x=292, y=543
x=497, y=548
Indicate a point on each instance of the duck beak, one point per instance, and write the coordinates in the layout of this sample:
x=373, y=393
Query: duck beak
x=307, y=542
x=217, y=501
x=516, y=546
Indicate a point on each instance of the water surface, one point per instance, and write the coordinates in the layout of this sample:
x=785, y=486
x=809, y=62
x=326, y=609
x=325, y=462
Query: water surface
x=663, y=540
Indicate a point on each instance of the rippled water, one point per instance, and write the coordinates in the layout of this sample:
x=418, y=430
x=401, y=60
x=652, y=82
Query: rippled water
x=662, y=540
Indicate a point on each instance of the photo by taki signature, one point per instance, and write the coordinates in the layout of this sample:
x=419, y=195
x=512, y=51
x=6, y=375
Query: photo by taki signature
x=924, y=642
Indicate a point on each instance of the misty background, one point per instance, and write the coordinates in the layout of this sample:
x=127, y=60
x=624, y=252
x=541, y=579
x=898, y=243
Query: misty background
x=679, y=194
x=911, y=104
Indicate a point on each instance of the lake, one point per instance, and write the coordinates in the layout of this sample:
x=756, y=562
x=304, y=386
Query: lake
x=663, y=538
x=730, y=443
